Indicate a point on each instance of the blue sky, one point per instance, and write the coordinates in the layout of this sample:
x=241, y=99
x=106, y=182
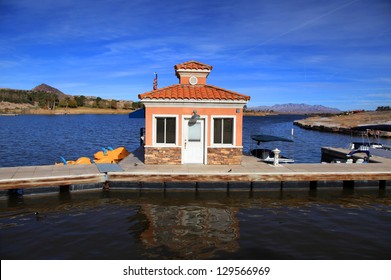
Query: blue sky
x=333, y=53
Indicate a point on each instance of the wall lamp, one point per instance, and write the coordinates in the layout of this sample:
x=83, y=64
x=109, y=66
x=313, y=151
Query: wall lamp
x=195, y=116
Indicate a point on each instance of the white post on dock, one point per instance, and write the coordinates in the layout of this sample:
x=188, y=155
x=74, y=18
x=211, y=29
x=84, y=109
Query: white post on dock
x=276, y=154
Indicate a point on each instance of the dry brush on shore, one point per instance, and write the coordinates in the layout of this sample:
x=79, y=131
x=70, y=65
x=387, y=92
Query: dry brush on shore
x=346, y=122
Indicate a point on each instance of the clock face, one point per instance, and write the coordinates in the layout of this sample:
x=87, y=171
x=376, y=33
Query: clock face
x=193, y=80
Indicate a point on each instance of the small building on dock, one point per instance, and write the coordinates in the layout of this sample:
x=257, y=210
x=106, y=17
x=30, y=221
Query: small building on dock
x=193, y=122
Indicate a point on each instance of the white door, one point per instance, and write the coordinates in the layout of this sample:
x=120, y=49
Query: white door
x=193, y=141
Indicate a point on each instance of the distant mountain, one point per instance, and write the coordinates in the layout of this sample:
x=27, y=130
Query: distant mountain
x=296, y=109
x=49, y=89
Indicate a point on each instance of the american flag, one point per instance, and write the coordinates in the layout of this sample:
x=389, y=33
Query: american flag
x=155, y=82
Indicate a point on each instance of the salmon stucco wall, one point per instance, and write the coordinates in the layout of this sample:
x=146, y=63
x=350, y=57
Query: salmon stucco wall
x=206, y=113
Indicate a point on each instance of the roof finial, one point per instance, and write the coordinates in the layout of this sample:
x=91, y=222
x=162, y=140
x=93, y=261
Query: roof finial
x=155, y=82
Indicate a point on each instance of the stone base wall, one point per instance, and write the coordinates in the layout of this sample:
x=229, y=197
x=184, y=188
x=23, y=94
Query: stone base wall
x=216, y=156
x=231, y=156
x=162, y=155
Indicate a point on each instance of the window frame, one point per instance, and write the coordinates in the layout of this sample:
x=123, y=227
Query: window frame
x=154, y=131
x=222, y=131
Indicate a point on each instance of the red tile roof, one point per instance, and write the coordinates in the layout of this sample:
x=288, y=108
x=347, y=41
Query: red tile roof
x=193, y=65
x=197, y=92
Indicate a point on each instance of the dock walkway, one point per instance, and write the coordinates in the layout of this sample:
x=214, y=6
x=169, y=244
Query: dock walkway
x=251, y=170
x=48, y=175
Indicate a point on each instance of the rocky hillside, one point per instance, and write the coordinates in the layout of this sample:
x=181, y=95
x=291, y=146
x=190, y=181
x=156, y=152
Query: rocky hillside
x=292, y=108
x=45, y=97
x=49, y=89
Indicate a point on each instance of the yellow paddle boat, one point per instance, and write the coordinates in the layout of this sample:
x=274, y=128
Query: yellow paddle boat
x=108, y=155
x=105, y=160
x=111, y=155
x=82, y=160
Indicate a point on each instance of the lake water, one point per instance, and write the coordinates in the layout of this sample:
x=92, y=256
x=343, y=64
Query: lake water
x=292, y=224
x=41, y=140
x=325, y=223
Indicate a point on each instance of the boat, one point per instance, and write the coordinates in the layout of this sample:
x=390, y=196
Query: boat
x=81, y=160
x=368, y=147
x=107, y=155
x=360, y=145
x=267, y=155
x=111, y=155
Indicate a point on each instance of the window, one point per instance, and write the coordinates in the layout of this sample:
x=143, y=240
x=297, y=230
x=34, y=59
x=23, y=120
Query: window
x=194, y=131
x=223, y=131
x=165, y=130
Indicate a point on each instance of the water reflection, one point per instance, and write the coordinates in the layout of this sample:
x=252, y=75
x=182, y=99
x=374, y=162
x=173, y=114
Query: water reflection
x=190, y=231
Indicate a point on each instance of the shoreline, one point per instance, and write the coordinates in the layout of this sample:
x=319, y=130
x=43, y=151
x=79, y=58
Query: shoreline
x=63, y=111
x=334, y=123
x=87, y=110
x=344, y=124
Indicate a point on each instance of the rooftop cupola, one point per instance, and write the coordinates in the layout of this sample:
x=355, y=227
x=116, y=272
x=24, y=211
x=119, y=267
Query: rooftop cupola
x=192, y=72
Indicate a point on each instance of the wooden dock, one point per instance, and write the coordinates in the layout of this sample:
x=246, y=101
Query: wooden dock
x=48, y=175
x=133, y=170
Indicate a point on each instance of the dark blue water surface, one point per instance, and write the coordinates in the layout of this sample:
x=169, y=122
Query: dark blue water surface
x=41, y=140
x=126, y=224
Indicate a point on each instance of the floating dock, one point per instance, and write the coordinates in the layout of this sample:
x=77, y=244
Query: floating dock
x=133, y=170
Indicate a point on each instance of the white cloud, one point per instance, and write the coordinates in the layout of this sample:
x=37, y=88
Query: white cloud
x=120, y=74
x=384, y=79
